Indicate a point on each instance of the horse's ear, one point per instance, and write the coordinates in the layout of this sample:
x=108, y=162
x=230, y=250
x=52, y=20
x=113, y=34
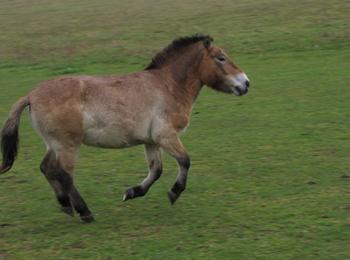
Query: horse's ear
x=207, y=42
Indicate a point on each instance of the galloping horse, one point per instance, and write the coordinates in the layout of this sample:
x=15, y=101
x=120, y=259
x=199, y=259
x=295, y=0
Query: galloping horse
x=150, y=107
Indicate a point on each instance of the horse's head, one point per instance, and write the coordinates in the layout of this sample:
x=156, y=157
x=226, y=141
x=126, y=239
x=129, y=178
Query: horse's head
x=220, y=73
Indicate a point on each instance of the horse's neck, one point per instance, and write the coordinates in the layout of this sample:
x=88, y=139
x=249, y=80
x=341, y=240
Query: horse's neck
x=185, y=78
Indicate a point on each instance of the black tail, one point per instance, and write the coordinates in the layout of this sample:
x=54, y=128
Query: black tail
x=9, y=135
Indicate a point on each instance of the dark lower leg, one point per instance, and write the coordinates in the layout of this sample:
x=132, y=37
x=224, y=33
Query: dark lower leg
x=75, y=198
x=66, y=205
x=180, y=184
x=80, y=205
x=141, y=189
x=47, y=167
x=154, y=159
x=172, y=144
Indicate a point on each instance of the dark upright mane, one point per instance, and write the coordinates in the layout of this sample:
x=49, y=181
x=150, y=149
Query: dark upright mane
x=177, y=45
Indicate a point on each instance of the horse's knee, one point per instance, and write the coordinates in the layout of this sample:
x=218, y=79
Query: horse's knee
x=184, y=161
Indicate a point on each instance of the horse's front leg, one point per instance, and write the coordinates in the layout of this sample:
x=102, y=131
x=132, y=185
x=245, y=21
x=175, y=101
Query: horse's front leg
x=174, y=147
x=154, y=159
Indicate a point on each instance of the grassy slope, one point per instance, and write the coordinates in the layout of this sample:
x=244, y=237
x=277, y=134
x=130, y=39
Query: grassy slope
x=269, y=175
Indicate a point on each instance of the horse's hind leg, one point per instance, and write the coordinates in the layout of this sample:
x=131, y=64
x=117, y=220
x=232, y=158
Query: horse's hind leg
x=48, y=167
x=64, y=171
x=61, y=172
x=154, y=159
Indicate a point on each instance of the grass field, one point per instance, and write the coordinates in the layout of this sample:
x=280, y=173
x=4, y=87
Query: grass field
x=270, y=171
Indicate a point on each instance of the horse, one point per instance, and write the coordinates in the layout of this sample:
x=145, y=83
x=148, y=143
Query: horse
x=150, y=107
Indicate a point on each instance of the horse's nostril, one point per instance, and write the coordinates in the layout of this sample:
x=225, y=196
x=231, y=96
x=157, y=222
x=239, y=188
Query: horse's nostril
x=247, y=83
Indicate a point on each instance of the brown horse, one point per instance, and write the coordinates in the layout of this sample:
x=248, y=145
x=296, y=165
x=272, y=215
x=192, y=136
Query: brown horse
x=150, y=107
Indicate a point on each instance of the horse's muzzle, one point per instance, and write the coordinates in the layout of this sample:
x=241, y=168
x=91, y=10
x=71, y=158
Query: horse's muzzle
x=240, y=84
x=240, y=91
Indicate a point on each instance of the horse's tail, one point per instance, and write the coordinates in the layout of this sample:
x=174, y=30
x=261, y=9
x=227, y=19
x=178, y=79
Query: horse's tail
x=9, y=135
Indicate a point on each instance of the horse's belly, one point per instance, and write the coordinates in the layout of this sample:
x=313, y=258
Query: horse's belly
x=109, y=139
x=113, y=133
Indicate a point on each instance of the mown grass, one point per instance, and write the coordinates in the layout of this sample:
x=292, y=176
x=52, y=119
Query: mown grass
x=270, y=171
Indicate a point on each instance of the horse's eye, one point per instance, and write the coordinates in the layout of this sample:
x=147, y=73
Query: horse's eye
x=221, y=58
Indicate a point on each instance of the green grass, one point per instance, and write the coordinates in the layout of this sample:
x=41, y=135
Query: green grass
x=270, y=171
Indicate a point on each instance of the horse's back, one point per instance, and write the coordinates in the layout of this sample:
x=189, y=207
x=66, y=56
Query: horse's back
x=106, y=111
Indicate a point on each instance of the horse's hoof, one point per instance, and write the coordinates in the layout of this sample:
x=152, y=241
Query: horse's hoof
x=129, y=194
x=173, y=197
x=87, y=219
x=68, y=210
